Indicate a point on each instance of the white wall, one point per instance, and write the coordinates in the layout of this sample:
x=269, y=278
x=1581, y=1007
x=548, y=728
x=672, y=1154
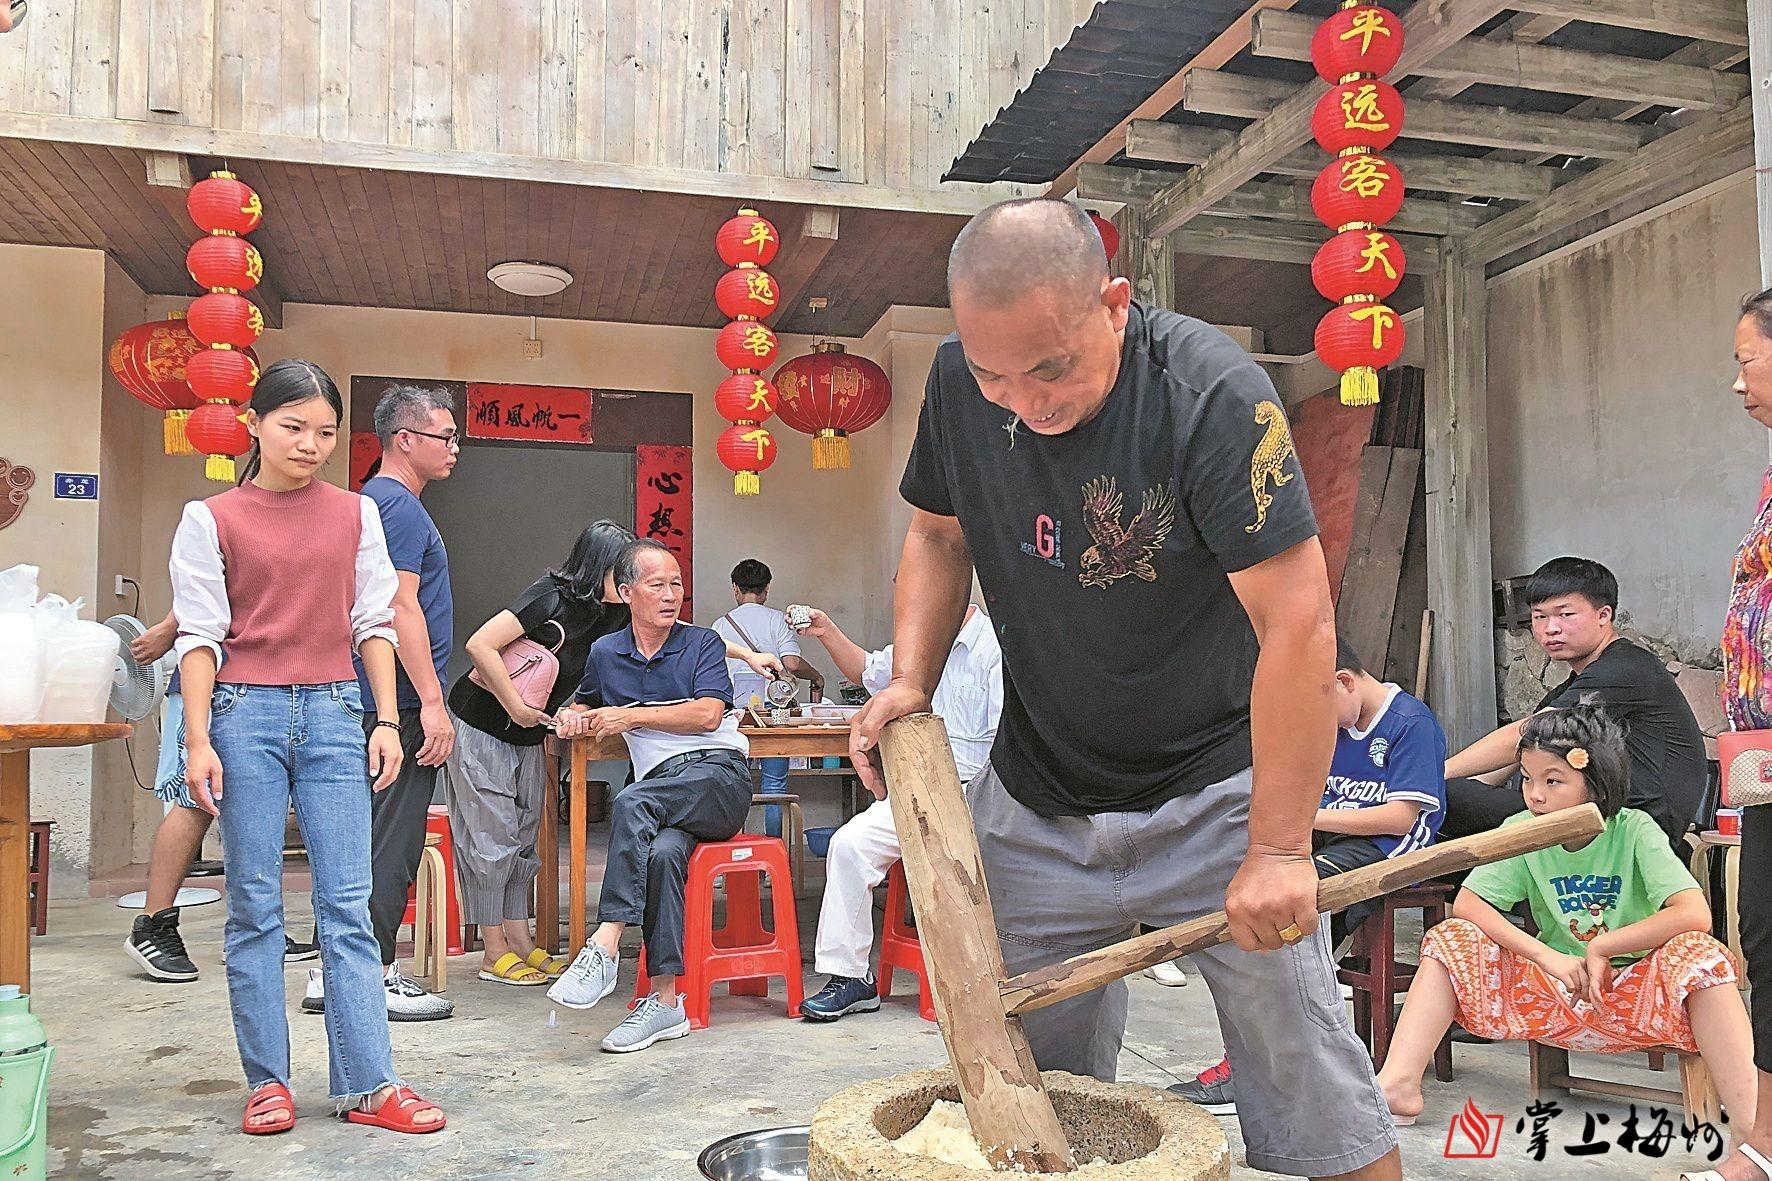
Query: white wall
x=1613, y=433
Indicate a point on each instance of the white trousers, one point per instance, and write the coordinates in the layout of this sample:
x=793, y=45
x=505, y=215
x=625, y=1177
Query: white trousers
x=860, y=854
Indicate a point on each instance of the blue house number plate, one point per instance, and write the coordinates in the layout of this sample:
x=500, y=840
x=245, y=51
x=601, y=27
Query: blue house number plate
x=75, y=486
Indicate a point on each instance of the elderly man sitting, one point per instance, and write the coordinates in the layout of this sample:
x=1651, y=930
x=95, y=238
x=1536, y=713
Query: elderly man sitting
x=662, y=685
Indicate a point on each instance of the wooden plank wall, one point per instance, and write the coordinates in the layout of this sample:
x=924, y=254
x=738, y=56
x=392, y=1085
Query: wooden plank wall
x=882, y=92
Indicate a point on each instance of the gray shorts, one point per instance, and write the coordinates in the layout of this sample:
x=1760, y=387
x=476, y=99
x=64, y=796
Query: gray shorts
x=1306, y=1096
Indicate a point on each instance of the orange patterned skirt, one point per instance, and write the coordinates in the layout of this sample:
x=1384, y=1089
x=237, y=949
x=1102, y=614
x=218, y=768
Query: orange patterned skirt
x=1507, y=998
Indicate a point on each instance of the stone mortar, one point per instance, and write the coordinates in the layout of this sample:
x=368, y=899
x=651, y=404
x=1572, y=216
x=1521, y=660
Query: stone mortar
x=1145, y=1134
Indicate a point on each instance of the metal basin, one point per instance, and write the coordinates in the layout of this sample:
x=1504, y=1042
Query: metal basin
x=769, y=1154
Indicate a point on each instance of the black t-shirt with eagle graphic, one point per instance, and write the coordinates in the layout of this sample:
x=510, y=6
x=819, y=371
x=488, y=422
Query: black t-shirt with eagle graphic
x=1104, y=553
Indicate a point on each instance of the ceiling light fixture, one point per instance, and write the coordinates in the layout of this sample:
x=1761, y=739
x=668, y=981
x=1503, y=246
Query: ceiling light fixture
x=532, y=279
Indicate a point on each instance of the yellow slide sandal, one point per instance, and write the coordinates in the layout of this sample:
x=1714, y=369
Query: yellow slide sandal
x=551, y=966
x=509, y=968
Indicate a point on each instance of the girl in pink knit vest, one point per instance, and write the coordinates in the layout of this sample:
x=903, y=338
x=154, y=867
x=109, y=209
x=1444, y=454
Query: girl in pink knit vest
x=274, y=583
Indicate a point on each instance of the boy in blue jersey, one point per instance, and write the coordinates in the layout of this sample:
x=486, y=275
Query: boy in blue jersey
x=1385, y=796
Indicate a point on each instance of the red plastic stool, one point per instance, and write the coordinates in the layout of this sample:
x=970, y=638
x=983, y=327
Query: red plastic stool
x=742, y=951
x=899, y=946
x=437, y=821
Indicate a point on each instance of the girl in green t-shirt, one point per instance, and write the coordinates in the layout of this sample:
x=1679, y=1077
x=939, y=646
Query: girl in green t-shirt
x=1623, y=959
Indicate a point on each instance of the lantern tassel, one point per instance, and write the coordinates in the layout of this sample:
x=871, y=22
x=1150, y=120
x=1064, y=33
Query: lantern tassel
x=1359, y=386
x=830, y=450
x=219, y=468
x=172, y=433
x=746, y=484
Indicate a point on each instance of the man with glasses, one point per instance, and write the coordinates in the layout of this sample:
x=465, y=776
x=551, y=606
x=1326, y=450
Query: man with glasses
x=419, y=444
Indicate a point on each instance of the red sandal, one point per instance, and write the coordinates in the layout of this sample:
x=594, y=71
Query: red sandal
x=397, y=1113
x=270, y=1099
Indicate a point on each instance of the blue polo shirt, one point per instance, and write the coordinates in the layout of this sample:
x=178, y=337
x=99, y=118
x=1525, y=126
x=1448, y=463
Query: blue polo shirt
x=690, y=665
x=415, y=547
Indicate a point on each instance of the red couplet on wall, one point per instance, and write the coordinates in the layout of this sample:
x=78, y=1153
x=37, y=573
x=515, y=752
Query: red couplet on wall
x=365, y=452
x=662, y=505
x=530, y=413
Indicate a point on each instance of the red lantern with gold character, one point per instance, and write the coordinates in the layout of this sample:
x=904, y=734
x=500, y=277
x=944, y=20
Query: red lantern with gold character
x=746, y=448
x=1357, y=188
x=829, y=394
x=1359, y=40
x=1359, y=339
x=746, y=290
x=216, y=430
x=223, y=202
x=222, y=374
x=222, y=262
x=748, y=237
x=746, y=344
x=1358, y=262
x=149, y=361
x=1363, y=114
x=745, y=397
x=221, y=317
x=1110, y=234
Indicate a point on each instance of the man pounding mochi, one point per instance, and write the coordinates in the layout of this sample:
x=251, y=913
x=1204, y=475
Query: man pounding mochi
x=1122, y=478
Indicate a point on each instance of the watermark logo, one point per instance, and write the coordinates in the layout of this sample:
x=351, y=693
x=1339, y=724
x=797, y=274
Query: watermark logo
x=1474, y=1135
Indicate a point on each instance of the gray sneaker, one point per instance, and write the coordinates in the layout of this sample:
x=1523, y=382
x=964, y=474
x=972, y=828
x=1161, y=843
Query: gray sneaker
x=648, y=1022
x=590, y=978
x=408, y=1001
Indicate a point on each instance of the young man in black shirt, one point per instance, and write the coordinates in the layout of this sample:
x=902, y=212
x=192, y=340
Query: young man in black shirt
x=1123, y=479
x=1573, y=602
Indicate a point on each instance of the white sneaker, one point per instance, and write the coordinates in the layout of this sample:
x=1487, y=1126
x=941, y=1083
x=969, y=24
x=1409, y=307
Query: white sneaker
x=590, y=978
x=315, y=1001
x=1168, y=974
x=407, y=1001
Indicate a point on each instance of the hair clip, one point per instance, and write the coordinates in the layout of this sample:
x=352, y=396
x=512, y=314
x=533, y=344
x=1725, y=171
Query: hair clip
x=1577, y=758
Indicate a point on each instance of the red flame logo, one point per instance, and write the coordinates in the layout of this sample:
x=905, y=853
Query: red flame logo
x=1474, y=1135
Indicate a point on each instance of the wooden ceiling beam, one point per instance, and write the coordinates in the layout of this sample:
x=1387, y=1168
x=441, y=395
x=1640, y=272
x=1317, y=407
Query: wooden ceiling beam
x=1715, y=146
x=1218, y=52
x=1700, y=20
x=1273, y=200
x=800, y=259
x=1521, y=27
x=1476, y=61
x=1155, y=142
x=1215, y=92
x=1278, y=241
x=1429, y=27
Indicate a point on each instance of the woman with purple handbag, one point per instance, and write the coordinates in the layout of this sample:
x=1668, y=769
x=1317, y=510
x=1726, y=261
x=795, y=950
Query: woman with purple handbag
x=527, y=661
x=1747, y=702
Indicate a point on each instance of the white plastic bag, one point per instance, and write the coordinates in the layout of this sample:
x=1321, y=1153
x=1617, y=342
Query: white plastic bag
x=79, y=663
x=21, y=652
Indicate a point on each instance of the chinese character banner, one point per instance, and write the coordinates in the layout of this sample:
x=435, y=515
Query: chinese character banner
x=662, y=506
x=531, y=413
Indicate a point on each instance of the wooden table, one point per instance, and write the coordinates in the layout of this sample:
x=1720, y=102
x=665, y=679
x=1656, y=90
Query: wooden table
x=16, y=745
x=767, y=742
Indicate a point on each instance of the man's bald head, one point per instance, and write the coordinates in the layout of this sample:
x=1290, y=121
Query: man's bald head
x=1032, y=245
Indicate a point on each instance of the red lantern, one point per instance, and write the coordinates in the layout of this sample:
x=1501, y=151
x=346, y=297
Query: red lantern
x=746, y=344
x=1110, y=236
x=222, y=317
x=749, y=237
x=222, y=202
x=149, y=361
x=1362, y=40
x=828, y=394
x=222, y=374
x=1359, y=339
x=216, y=430
x=222, y=262
x=745, y=397
x=746, y=448
x=1358, y=262
x=1362, y=114
x=747, y=291
x=1357, y=188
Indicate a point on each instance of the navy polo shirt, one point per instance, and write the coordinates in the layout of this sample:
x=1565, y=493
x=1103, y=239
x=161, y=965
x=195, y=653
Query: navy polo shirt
x=691, y=665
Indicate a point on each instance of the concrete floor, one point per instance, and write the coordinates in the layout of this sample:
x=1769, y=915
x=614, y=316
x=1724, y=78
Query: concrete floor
x=146, y=1082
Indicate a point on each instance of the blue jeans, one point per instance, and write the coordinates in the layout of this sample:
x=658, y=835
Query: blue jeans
x=305, y=742
x=775, y=783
